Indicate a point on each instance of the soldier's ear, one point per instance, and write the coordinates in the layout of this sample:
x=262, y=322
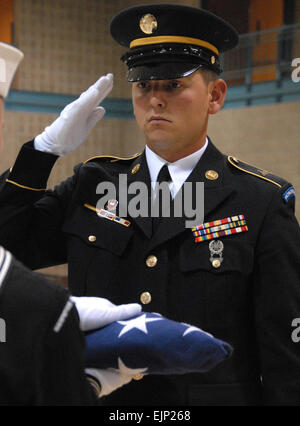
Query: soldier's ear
x=217, y=92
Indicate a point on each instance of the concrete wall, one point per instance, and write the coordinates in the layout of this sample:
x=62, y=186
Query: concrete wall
x=265, y=136
x=67, y=43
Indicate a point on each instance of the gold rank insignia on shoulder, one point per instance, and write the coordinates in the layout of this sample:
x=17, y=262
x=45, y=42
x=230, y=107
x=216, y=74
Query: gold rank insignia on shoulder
x=148, y=23
x=220, y=228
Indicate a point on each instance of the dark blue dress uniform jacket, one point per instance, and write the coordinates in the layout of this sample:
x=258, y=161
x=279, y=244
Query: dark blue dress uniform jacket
x=42, y=348
x=249, y=301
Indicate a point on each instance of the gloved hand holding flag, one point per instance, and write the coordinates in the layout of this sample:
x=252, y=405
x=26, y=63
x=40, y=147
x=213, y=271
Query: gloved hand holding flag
x=152, y=344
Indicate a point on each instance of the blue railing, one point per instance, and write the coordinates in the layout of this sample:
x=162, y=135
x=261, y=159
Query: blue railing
x=258, y=71
x=53, y=103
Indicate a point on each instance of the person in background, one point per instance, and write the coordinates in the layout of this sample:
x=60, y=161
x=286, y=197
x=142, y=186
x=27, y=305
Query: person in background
x=41, y=340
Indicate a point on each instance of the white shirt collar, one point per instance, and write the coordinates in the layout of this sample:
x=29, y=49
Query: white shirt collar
x=179, y=170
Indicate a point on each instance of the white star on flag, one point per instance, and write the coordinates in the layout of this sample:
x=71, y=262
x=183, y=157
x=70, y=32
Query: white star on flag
x=191, y=328
x=128, y=371
x=135, y=347
x=139, y=323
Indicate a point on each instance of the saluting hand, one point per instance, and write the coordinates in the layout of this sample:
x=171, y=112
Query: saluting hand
x=76, y=120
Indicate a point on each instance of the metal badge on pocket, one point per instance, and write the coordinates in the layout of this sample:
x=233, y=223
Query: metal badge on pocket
x=216, y=248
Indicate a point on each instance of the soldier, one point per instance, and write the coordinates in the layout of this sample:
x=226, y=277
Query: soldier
x=41, y=345
x=236, y=274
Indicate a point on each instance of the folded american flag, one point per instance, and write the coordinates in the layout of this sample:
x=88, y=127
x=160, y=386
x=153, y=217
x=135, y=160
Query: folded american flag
x=152, y=344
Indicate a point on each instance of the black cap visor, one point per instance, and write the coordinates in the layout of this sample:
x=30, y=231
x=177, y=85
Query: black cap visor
x=162, y=71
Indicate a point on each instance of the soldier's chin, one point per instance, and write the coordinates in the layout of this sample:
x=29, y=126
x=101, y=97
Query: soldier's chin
x=159, y=132
x=161, y=142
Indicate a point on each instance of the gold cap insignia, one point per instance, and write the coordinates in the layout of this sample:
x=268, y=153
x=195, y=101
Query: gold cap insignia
x=211, y=175
x=148, y=23
x=212, y=59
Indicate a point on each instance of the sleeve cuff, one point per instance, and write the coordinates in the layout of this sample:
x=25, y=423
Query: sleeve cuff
x=95, y=385
x=32, y=168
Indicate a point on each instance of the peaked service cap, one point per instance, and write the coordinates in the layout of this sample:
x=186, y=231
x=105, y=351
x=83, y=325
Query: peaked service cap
x=168, y=41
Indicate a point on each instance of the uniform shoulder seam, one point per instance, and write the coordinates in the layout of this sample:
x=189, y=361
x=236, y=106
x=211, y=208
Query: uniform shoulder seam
x=255, y=171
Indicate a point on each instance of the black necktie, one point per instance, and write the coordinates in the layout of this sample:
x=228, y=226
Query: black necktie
x=163, y=176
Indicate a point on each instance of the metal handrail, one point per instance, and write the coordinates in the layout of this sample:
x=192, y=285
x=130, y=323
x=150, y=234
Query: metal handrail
x=263, y=55
x=272, y=30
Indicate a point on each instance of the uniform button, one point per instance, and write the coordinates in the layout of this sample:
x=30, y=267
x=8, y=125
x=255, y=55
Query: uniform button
x=216, y=263
x=145, y=298
x=92, y=238
x=151, y=261
x=138, y=377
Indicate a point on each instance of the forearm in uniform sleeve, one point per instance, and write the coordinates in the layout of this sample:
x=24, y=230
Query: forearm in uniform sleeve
x=276, y=286
x=63, y=379
x=32, y=168
x=30, y=217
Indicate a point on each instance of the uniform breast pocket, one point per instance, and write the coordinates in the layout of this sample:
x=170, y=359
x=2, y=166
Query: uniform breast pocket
x=220, y=281
x=95, y=247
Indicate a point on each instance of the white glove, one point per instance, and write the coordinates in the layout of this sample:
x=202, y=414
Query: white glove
x=10, y=58
x=109, y=380
x=96, y=312
x=76, y=120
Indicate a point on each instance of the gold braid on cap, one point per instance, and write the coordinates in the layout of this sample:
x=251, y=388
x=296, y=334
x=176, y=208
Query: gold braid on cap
x=173, y=39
